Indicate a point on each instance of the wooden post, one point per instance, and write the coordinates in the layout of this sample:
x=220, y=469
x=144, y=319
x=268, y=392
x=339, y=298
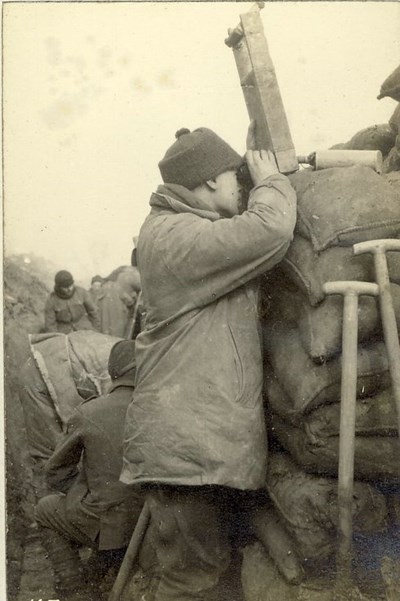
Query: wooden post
x=260, y=89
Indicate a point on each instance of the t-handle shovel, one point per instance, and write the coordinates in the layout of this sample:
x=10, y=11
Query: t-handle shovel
x=351, y=291
x=378, y=248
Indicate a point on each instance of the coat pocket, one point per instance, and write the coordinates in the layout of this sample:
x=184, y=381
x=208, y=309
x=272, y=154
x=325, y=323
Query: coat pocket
x=238, y=367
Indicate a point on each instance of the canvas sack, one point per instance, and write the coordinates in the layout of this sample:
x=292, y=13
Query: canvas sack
x=375, y=415
x=394, y=121
x=376, y=458
x=345, y=205
x=307, y=384
x=309, y=270
x=376, y=137
x=309, y=508
x=320, y=327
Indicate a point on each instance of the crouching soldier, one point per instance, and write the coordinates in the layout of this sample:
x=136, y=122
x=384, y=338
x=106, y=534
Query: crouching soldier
x=92, y=507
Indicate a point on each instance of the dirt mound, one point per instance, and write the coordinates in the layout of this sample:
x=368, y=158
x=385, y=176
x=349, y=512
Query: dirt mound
x=24, y=298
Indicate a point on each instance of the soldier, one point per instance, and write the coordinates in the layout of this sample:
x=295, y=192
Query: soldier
x=92, y=507
x=195, y=433
x=69, y=307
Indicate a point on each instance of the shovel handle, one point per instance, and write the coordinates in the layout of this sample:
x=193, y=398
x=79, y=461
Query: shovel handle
x=130, y=555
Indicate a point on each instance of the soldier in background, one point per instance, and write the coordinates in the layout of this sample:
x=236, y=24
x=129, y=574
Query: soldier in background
x=69, y=307
x=117, y=300
x=95, y=288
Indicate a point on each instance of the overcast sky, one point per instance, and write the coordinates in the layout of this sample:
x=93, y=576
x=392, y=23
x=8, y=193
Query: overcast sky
x=94, y=92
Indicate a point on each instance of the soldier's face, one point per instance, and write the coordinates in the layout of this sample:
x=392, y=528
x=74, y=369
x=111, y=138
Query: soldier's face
x=67, y=289
x=227, y=199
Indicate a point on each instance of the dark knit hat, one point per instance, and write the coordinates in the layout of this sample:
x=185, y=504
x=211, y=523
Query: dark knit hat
x=63, y=279
x=122, y=358
x=196, y=157
x=97, y=278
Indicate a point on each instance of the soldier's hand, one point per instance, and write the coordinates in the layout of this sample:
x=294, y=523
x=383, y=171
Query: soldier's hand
x=261, y=164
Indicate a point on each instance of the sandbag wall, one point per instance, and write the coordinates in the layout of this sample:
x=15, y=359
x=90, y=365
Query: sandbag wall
x=391, y=89
x=302, y=345
x=385, y=136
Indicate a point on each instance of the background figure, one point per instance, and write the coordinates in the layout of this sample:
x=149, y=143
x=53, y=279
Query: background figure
x=61, y=371
x=95, y=288
x=96, y=510
x=117, y=300
x=69, y=307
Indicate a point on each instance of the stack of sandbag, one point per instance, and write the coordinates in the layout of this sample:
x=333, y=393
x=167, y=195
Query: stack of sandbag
x=385, y=136
x=309, y=506
x=303, y=330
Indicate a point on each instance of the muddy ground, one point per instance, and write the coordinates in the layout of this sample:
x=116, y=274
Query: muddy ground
x=29, y=575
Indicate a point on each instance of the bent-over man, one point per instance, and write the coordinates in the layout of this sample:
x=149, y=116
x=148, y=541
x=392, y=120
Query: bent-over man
x=94, y=508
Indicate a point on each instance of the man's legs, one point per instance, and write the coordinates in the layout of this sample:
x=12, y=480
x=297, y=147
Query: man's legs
x=191, y=541
x=61, y=541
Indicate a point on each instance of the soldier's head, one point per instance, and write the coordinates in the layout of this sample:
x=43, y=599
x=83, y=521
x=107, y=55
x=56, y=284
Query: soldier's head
x=64, y=284
x=96, y=282
x=204, y=163
x=121, y=362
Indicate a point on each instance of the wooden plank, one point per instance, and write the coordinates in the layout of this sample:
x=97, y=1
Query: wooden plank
x=261, y=91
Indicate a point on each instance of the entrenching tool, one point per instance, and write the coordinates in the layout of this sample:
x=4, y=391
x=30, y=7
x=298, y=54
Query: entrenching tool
x=130, y=554
x=378, y=248
x=351, y=291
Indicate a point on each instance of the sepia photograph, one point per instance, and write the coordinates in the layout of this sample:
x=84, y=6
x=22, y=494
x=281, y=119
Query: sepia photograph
x=201, y=300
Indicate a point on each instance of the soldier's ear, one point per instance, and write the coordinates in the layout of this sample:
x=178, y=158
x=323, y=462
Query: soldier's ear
x=212, y=183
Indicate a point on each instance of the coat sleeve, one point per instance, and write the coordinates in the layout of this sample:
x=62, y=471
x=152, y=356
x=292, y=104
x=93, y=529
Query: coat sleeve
x=213, y=258
x=62, y=467
x=50, y=322
x=91, y=310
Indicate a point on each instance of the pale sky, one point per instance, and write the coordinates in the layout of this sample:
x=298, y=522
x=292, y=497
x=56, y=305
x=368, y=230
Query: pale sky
x=94, y=93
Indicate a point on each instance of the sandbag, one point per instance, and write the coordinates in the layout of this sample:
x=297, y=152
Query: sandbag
x=391, y=86
x=344, y=205
x=308, y=505
x=376, y=137
x=393, y=177
x=320, y=327
x=307, y=384
x=392, y=161
x=309, y=270
x=394, y=121
x=376, y=458
x=375, y=416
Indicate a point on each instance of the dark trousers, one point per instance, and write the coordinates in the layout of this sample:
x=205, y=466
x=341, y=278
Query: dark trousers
x=62, y=539
x=195, y=531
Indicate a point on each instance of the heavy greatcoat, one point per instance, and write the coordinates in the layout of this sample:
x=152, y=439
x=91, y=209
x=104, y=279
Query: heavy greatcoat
x=197, y=416
x=67, y=315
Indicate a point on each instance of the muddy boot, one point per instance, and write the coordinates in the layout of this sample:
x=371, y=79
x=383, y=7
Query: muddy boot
x=64, y=558
x=101, y=570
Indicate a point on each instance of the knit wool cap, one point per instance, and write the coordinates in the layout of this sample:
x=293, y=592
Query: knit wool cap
x=97, y=278
x=196, y=157
x=122, y=358
x=63, y=279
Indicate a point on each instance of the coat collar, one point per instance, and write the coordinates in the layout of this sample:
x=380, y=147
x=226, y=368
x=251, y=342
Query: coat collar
x=177, y=199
